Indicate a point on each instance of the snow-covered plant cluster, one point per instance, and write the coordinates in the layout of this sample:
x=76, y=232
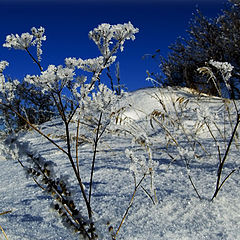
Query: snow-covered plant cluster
x=6, y=88
x=87, y=104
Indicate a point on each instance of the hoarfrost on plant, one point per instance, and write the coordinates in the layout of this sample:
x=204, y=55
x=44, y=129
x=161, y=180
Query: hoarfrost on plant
x=25, y=41
x=38, y=34
x=18, y=42
x=105, y=33
x=50, y=79
x=6, y=88
x=226, y=70
x=94, y=65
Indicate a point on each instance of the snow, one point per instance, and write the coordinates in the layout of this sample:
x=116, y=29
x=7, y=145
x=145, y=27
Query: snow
x=179, y=214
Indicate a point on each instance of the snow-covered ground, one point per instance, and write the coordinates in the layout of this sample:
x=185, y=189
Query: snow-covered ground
x=179, y=213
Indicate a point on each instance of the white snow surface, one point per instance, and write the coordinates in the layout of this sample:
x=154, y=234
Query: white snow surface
x=179, y=214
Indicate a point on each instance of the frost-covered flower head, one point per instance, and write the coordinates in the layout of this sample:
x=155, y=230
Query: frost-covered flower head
x=225, y=68
x=105, y=33
x=27, y=40
x=18, y=42
x=93, y=65
x=50, y=79
x=38, y=33
x=96, y=101
x=102, y=100
x=103, y=36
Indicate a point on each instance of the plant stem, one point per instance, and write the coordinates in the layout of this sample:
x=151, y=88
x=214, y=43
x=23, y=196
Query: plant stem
x=129, y=206
x=77, y=174
x=221, y=165
x=94, y=156
x=5, y=235
x=77, y=160
x=32, y=57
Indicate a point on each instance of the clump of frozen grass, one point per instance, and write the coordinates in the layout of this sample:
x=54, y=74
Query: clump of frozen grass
x=90, y=105
x=186, y=124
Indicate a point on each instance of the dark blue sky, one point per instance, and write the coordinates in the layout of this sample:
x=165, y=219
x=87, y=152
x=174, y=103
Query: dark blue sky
x=67, y=23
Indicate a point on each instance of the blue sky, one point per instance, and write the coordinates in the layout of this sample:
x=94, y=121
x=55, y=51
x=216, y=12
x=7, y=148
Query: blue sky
x=67, y=23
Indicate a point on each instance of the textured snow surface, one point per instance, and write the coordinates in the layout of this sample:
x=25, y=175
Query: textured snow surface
x=179, y=214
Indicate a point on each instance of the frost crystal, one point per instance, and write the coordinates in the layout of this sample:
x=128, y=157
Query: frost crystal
x=3, y=65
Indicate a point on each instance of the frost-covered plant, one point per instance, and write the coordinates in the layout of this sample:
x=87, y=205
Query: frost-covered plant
x=225, y=69
x=187, y=124
x=26, y=40
x=6, y=88
x=76, y=100
x=175, y=117
x=105, y=35
x=54, y=79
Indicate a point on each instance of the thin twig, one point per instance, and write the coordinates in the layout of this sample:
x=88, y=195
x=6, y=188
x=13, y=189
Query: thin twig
x=77, y=160
x=221, y=165
x=195, y=189
x=225, y=179
x=94, y=156
x=5, y=212
x=148, y=194
x=129, y=206
x=5, y=235
x=40, y=67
